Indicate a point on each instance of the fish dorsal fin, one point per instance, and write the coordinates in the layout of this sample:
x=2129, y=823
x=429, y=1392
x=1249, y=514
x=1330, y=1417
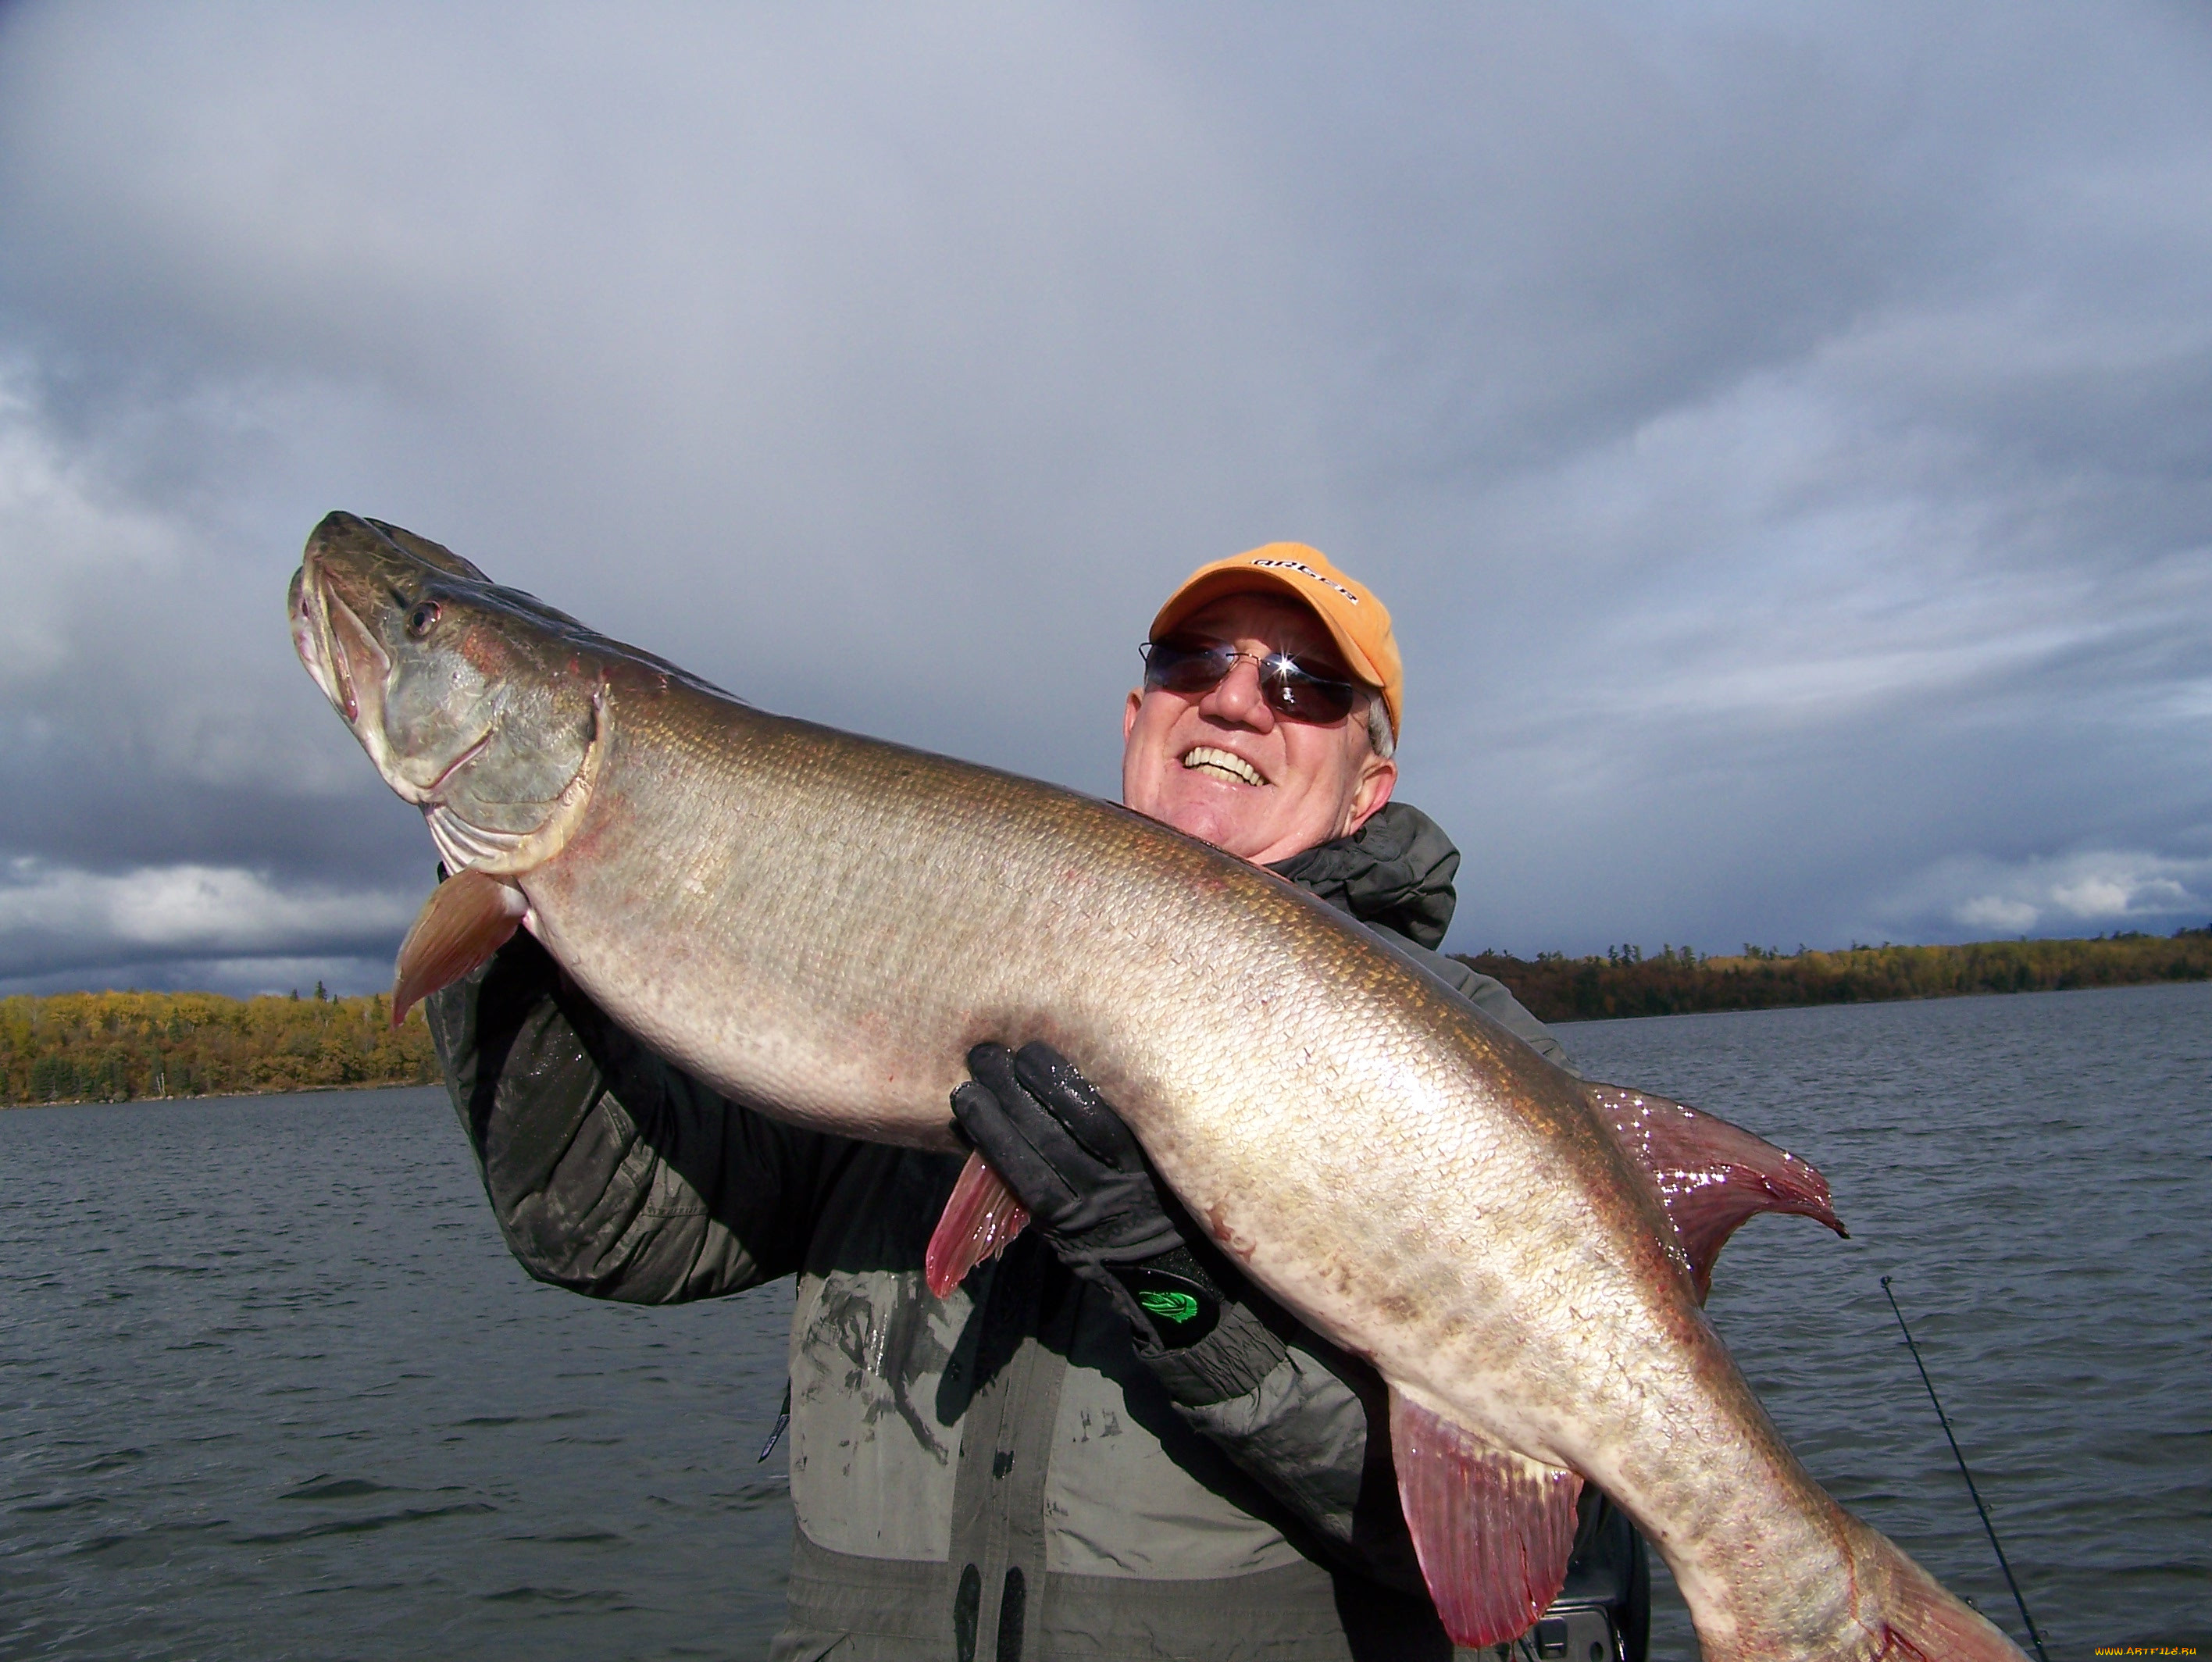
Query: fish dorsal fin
x=1712, y=1176
x=1492, y=1528
x=467, y=917
x=982, y=1216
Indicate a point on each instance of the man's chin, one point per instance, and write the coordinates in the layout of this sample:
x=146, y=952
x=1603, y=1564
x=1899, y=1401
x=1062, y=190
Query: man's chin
x=1216, y=821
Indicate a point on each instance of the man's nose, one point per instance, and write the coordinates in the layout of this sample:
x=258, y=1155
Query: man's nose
x=1237, y=698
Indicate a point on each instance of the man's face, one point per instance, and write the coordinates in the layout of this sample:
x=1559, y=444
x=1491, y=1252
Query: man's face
x=1184, y=756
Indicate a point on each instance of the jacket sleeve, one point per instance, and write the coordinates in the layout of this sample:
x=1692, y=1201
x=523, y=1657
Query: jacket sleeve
x=609, y=1172
x=1307, y=1421
x=1311, y=1425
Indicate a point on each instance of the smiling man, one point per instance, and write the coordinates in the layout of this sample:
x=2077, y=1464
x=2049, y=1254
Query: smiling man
x=1106, y=1443
x=1250, y=730
x=1267, y=725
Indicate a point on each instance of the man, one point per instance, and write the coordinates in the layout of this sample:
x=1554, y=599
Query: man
x=1106, y=1443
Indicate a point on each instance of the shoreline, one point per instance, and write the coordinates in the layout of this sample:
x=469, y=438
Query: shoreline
x=226, y=1095
x=1903, y=999
x=84, y=1048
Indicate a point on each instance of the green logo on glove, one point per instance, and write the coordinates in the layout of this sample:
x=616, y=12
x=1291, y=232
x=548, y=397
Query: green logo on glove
x=1175, y=1306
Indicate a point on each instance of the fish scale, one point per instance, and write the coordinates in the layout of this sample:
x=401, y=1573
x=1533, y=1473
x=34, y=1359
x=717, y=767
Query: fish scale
x=821, y=927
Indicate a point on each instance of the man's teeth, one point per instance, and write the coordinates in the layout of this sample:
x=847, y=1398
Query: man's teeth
x=1222, y=762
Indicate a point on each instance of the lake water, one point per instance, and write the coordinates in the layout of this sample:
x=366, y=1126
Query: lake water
x=271, y=1386
x=2036, y=1172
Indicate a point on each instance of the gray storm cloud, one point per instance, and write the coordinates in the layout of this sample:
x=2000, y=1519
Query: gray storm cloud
x=1782, y=444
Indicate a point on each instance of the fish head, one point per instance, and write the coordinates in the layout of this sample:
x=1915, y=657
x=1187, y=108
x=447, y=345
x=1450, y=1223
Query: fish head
x=478, y=704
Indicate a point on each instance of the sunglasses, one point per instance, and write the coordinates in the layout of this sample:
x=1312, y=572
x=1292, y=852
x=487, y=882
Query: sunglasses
x=1189, y=666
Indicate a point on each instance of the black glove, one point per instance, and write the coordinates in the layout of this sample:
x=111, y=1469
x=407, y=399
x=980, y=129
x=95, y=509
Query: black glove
x=1071, y=1160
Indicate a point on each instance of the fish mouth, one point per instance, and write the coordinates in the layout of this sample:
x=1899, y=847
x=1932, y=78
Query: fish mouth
x=1206, y=758
x=355, y=659
x=430, y=791
x=343, y=657
x=307, y=637
x=337, y=649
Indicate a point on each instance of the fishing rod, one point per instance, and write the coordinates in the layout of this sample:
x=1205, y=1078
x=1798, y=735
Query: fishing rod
x=1943, y=1419
x=782, y=1424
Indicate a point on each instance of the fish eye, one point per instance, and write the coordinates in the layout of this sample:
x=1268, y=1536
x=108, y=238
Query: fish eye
x=421, y=617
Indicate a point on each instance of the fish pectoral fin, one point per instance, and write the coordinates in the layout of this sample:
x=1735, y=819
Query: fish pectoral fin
x=1713, y=1177
x=1492, y=1528
x=979, y=1220
x=467, y=917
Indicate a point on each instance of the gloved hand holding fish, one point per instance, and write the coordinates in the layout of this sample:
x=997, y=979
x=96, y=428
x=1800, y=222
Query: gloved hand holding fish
x=798, y=917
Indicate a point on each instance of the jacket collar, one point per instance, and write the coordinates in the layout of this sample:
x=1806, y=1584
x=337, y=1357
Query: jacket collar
x=1394, y=872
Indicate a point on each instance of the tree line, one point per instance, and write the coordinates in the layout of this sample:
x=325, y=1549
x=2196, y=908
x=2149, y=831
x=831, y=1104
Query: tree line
x=121, y=1046
x=1680, y=980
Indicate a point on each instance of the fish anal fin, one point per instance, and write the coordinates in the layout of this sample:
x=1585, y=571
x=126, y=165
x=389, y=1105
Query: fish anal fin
x=1492, y=1528
x=1711, y=1176
x=979, y=1220
x=467, y=917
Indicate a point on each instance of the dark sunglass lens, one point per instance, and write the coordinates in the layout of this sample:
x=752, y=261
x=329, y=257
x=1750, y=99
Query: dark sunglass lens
x=1178, y=668
x=1292, y=692
x=1310, y=701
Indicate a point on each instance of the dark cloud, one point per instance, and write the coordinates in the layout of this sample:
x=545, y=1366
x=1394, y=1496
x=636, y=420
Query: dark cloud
x=234, y=976
x=1781, y=438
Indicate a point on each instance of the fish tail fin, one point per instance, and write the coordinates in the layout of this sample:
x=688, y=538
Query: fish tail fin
x=982, y=1216
x=467, y=917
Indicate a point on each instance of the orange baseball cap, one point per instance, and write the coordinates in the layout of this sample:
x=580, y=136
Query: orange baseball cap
x=1355, y=618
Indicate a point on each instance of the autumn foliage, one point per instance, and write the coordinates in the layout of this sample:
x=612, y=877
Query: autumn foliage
x=1681, y=980
x=118, y=1046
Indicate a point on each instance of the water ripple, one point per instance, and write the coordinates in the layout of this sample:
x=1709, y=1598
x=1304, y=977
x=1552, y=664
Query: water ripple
x=248, y=1411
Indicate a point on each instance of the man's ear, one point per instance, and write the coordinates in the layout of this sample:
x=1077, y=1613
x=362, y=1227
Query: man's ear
x=1129, y=714
x=1377, y=779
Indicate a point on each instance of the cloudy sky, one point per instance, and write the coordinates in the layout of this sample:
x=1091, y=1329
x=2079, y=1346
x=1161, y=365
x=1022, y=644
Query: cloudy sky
x=1785, y=434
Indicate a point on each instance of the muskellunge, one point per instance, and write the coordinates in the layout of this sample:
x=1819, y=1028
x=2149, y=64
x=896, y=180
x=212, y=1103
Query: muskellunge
x=821, y=925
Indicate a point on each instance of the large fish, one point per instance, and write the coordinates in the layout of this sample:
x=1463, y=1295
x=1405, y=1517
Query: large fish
x=821, y=925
